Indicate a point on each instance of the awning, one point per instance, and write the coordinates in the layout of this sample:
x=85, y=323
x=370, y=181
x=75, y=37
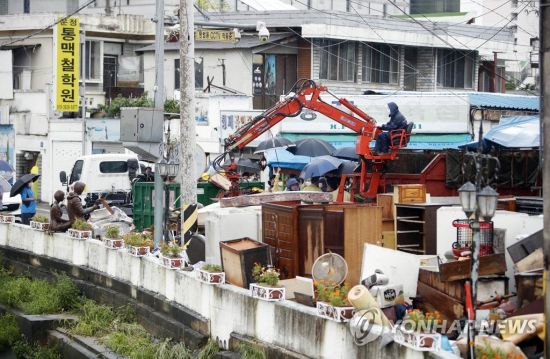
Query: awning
x=504, y=101
x=417, y=142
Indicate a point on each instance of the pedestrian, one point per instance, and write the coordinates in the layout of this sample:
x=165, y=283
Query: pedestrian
x=312, y=185
x=74, y=204
x=28, y=204
x=397, y=121
x=292, y=184
x=57, y=223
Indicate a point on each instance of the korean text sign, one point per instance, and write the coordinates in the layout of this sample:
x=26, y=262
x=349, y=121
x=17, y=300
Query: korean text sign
x=67, y=62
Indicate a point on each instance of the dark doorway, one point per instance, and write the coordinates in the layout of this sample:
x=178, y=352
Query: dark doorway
x=110, y=71
x=411, y=56
x=273, y=76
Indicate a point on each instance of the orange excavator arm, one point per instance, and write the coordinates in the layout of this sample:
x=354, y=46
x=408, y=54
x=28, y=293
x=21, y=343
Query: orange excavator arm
x=309, y=97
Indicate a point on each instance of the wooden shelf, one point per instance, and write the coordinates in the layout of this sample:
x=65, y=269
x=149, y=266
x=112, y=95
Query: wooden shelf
x=410, y=220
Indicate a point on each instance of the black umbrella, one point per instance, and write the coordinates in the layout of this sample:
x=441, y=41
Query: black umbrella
x=312, y=147
x=274, y=142
x=348, y=167
x=346, y=153
x=248, y=164
x=21, y=183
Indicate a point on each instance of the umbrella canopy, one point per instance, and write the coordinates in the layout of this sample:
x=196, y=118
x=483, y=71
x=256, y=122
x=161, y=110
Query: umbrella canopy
x=247, y=164
x=5, y=167
x=348, y=167
x=274, y=142
x=281, y=158
x=21, y=183
x=319, y=166
x=346, y=153
x=312, y=147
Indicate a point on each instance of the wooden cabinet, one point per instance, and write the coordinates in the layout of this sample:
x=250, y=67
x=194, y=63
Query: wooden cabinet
x=300, y=233
x=416, y=227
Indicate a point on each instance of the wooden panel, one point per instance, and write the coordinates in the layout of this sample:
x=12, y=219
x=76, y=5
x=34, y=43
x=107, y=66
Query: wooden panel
x=432, y=300
x=238, y=257
x=362, y=224
x=334, y=231
x=310, y=238
x=453, y=289
x=385, y=200
x=457, y=270
x=388, y=239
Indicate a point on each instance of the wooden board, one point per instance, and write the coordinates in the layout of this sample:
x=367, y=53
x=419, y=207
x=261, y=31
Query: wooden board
x=432, y=300
x=410, y=193
x=454, y=289
x=458, y=270
x=361, y=225
x=385, y=200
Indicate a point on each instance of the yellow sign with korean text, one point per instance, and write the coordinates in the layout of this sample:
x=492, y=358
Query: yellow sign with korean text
x=67, y=65
x=215, y=35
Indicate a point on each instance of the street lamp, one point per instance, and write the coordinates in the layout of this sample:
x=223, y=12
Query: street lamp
x=483, y=204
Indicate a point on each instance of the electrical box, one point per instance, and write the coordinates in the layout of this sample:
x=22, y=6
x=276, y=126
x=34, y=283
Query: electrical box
x=141, y=124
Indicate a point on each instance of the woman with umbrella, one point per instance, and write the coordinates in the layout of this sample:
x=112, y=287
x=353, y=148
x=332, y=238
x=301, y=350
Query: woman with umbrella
x=23, y=186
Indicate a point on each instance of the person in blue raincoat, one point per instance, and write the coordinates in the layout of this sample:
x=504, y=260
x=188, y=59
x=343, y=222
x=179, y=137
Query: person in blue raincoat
x=397, y=121
x=28, y=204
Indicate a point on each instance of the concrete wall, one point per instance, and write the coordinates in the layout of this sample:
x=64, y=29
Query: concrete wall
x=238, y=64
x=230, y=309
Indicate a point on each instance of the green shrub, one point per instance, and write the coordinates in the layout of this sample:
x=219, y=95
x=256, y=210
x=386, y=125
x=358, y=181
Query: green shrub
x=9, y=331
x=212, y=268
x=250, y=351
x=41, y=219
x=81, y=225
x=138, y=239
x=25, y=350
x=170, y=250
x=167, y=349
x=209, y=351
x=112, y=232
x=94, y=319
x=265, y=275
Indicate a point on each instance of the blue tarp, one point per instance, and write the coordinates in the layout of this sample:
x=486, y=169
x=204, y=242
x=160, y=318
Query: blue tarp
x=518, y=102
x=517, y=131
x=280, y=157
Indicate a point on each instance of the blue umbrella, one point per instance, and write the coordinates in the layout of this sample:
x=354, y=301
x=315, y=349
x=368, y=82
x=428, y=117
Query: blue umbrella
x=319, y=166
x=348, y=167
x=346, y=153
x=5, y=167
x=281, y=158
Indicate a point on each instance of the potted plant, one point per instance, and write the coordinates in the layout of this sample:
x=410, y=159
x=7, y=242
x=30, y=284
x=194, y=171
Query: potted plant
x=332, y=302
x=7, y=219
x=266, y=286
x=211, y=274
x=138, y=244
x=40, y=223
x=112, y=237
x=418, y=330
x=80, y=229
x=171, y=255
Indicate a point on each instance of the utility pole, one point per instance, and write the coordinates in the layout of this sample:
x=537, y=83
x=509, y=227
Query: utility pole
x=159, y=105
x=188, y=180
x=544, y=61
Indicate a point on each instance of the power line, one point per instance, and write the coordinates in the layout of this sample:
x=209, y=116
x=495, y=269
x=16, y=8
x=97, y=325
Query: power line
x=49, y=26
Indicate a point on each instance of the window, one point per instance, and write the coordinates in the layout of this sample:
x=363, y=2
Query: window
x=92, y=60
x=27, y=6
x=199, y=78
x=434, y=6
x=380, y=63
x=76, y=172
x=113, y=167
x=455, y=69
x=337, y=60
x=3, y=7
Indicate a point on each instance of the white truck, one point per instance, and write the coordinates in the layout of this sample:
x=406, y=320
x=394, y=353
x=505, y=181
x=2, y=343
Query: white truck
x=110, y=175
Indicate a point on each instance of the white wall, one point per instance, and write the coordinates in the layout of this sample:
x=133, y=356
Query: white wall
x=6, y=75
x=228, y=308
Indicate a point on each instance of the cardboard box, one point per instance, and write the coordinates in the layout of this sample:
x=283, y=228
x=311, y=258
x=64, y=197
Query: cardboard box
x=388, y=295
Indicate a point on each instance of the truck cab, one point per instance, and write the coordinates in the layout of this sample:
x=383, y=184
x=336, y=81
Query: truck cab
x=110, y=175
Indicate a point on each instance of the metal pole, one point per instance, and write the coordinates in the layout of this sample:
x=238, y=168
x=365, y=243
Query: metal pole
x=544, y=72
x=159, y=105
x=188, y=180
x=83, y=91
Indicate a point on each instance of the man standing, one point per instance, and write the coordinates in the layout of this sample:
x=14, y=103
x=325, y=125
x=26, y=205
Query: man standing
x=74, y=204
x=58, y=224
x=28, y=204
x=397, y=121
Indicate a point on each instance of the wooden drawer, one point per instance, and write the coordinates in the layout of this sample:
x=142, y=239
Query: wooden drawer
x=411, y=193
